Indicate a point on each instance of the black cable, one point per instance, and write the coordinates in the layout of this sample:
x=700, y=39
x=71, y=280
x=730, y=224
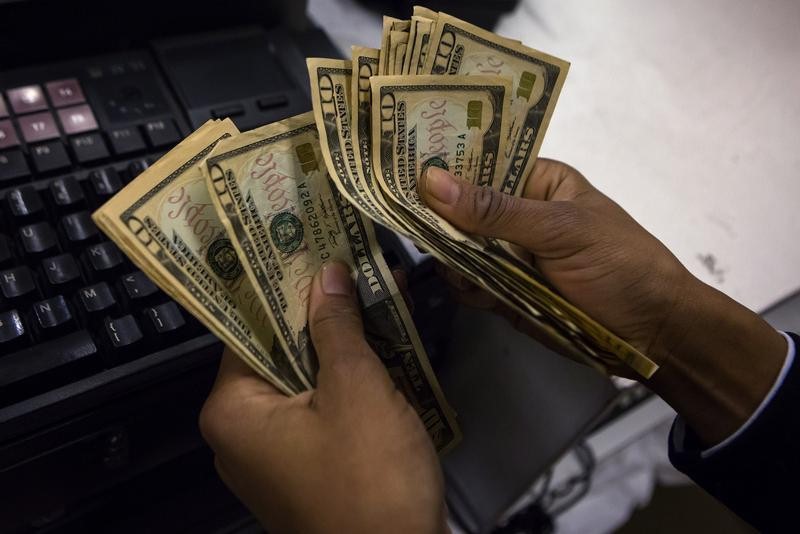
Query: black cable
x=566, y=492
x=548, y=478
x=537, y=517
x=532, y=518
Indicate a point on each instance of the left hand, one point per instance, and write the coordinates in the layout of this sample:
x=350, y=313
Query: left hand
x=349, y=456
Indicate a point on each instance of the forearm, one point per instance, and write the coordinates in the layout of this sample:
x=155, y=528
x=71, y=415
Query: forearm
x=719, y=361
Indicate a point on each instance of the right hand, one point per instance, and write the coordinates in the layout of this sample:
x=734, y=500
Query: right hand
x=588, y=247
x=716, y=358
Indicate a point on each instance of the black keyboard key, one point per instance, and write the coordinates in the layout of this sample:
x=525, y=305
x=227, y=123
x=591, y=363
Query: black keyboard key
x=103, y=260
x=165, y=320
x=6, y=251
x=97, y=301
x=227, y=111
x=269, y=103
x=162, y=133
x=13, y=167
x=53, y=317
x=42, y=367
x=38, y=239
x=50, y=156
x=12, y=332
x=135, y=168
x=126, y=141
x=25, y=204
x=125, y=337
x=17, y=283
x=104, y=183
x=62, y=273
x=79, y=228
x=67, y=194
x=138, y=289
x=89, y=147
x=8, y=135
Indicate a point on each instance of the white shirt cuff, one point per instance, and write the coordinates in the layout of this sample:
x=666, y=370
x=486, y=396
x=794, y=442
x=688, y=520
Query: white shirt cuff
x=787, y=364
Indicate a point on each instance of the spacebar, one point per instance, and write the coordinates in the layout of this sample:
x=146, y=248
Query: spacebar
x=42, y=367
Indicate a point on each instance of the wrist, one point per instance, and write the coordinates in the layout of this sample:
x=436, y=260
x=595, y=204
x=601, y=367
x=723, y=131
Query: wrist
x=718, y=360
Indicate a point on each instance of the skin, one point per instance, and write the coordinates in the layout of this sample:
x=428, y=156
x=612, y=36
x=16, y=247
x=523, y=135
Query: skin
x=354, y=451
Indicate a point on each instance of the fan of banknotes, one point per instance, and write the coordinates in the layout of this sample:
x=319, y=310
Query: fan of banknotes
x=234, y=225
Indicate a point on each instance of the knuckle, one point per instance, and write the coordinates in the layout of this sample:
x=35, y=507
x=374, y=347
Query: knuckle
x=218, y=467
x=490, y=207
x=334, y=316
x=564, y=226
x=356, y=366
x=209, y=421
x=567, y=218
x=353, y=370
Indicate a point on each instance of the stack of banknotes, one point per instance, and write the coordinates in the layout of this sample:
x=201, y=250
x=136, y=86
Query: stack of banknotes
x=234, y=225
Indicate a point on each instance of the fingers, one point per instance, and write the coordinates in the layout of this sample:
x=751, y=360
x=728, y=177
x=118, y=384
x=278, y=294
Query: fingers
x=464, y=291
x=554, y=180
x=454, y=279
x=401, y=279
x=337, y=332
x=333, y=314
x=236, y=385
x=476, y=298
x=533, y=224
x=237, y=376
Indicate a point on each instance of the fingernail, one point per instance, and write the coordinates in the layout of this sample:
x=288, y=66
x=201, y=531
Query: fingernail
x=336, y=279
x=441, y=185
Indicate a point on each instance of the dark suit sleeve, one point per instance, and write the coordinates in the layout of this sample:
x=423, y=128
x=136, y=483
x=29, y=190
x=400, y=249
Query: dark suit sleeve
x=756, y=475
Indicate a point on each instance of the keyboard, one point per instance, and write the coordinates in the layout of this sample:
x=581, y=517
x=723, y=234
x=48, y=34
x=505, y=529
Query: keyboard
x=102, y=376
x=71, y=304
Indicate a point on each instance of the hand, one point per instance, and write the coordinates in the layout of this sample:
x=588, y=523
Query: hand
x=593, y=252
x=350, y=456
x=717, y=358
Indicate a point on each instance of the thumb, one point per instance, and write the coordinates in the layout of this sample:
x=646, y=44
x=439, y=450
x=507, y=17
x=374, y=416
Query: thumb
x=346, y=361
x=535, y=225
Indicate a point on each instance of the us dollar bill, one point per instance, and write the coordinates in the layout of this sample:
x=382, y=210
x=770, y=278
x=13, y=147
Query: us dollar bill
x=456, y=122
x=426, y=23
x=398, y=42
x=288, y=218
x=164, y=222
x=332, y=102
x=366, y=63
x=412, y=34
x=390, y=24
x=460, y=48
x=422, y=11
x=418, y=41
x=452, y=122
x=331, y=98
x=329, y=81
